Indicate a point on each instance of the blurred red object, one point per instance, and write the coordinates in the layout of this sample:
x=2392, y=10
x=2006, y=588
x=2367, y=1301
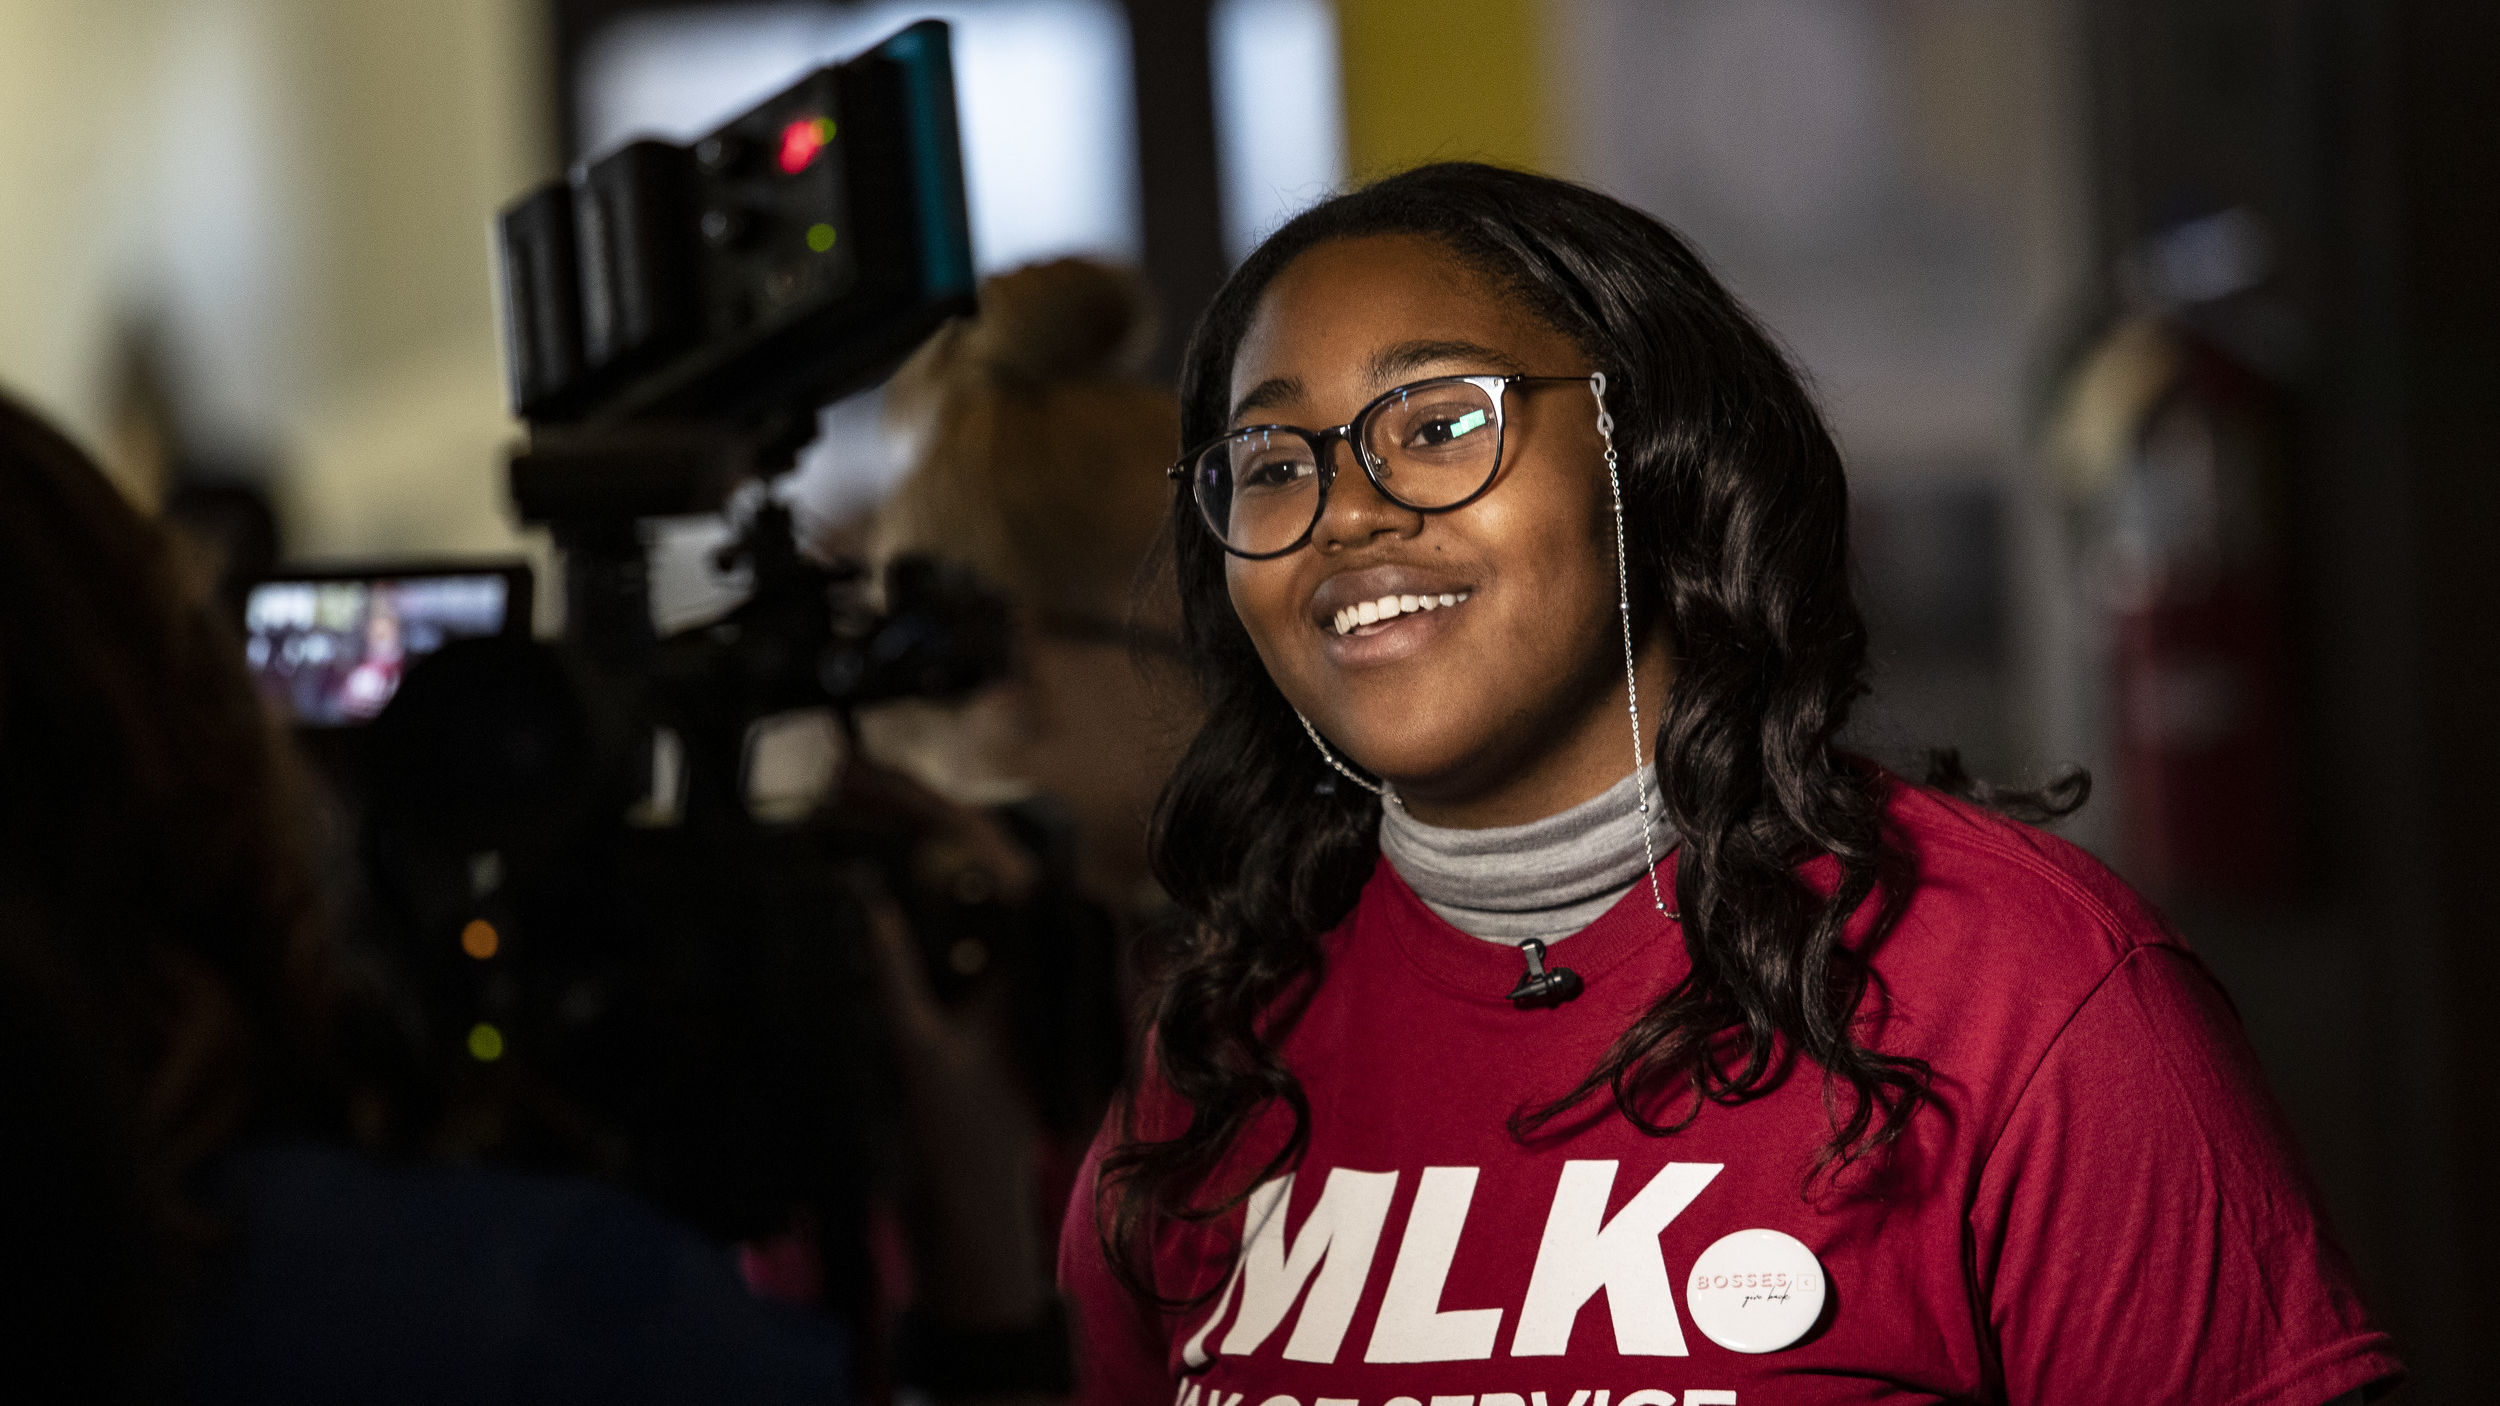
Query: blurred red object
x=2179, y=453
x=786, y=1266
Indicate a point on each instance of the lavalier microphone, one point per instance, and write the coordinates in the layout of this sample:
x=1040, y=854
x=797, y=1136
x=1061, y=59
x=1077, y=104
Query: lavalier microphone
x=1543, y=985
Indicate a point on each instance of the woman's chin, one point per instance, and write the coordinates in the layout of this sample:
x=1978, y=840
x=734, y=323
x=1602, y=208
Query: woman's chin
x=1413, y=766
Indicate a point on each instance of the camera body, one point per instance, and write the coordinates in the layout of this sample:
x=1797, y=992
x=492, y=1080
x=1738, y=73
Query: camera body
x=675, y=315
x=777, y=263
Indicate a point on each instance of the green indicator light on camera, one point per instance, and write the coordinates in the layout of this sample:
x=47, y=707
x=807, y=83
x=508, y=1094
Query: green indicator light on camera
x=820, y=238
x=485, y=1043
x=1473, y=419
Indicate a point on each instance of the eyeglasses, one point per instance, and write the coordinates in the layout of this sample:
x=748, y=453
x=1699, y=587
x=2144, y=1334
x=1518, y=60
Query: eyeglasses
x=1430, y=447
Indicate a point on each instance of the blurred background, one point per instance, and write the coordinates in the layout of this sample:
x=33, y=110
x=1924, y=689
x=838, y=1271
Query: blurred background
x=2163, y=337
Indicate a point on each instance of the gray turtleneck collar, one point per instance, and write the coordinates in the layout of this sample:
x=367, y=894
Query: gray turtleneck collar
x=1546, y=879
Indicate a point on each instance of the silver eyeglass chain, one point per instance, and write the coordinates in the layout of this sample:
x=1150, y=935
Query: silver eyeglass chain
x=1623, y=607
x=1384, y=793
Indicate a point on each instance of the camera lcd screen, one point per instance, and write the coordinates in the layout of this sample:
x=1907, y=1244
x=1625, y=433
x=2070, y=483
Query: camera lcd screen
x=331, y=648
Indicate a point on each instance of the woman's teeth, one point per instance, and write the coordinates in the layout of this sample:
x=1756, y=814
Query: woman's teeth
x=1372, y=612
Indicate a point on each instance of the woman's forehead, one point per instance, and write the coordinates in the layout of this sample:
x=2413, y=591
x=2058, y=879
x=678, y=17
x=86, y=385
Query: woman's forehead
x=1355, y=316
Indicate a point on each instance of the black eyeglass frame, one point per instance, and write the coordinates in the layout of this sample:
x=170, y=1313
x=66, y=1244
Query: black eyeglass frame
x=1323, y=442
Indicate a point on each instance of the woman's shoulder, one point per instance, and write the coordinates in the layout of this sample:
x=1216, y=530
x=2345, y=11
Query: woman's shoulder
x=1988, y=890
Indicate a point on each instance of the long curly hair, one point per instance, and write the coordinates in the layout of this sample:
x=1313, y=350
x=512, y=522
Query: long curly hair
x=1736, y=512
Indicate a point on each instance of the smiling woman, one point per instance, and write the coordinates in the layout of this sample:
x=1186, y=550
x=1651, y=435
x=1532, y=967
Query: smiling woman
x=1492, y=493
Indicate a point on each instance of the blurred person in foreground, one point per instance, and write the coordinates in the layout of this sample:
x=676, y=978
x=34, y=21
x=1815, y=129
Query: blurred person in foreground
x=167, y=995
x=82, y=1287
x=159, y=918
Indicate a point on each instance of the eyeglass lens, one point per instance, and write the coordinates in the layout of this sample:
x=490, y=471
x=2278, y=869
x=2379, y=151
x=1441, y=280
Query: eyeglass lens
x=1428, y=446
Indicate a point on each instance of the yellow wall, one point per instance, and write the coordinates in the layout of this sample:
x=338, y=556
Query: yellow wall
x=345, y=157
x=1430, y=80
x=64, y=69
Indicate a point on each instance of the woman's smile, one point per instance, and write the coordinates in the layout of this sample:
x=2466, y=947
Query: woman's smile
x=1372, y=617
x=1375, y=614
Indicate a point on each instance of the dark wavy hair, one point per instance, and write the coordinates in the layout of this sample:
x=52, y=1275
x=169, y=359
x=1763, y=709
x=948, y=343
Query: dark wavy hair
x=1736, y=510
x=148, y=807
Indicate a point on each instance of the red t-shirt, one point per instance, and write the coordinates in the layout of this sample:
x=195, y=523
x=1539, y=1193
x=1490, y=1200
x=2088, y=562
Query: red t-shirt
x=2101, y=1204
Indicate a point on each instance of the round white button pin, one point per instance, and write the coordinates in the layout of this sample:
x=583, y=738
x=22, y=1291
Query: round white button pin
x=1755, y=1291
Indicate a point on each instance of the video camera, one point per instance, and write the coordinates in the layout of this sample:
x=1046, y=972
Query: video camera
x=677, y=989
x=675, y=315
x=786, y=258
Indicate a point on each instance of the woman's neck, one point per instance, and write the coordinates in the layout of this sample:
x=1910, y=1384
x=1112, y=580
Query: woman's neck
x=1546, y=879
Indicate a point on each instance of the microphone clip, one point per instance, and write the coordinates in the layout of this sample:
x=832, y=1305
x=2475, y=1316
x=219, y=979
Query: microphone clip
x=1543, y=985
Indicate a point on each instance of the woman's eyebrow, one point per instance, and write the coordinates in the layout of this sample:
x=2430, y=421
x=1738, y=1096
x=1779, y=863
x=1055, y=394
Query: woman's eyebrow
x=1272, y=391
x=1390, y=363
x=1384, y=368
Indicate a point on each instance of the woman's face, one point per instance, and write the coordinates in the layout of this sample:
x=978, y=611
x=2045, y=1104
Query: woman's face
x=1509, y=705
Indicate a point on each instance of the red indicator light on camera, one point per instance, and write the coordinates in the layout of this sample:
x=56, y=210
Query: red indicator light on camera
x=801, y=140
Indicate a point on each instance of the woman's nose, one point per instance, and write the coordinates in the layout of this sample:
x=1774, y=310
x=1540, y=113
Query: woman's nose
x=1356, y=512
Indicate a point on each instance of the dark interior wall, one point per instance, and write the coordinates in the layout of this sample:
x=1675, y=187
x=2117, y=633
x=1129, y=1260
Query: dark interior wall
x=2364, y=132
x=2446, y=239
x=1178, y=193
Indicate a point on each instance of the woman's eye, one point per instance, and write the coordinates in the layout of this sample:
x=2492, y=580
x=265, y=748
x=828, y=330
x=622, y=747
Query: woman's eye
x=1436, y=430
x=1272, y=474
